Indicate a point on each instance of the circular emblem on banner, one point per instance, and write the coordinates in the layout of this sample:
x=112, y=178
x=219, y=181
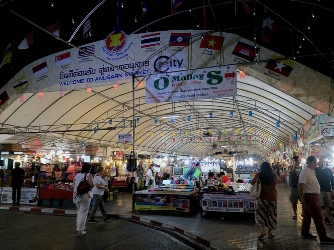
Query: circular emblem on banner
x=115, y=42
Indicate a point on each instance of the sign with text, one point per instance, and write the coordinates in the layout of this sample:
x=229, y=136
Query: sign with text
x=124, y=138
x=28, y=195
x=205, y=83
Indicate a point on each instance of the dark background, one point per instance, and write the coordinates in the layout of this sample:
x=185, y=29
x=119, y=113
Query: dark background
x=292, y=19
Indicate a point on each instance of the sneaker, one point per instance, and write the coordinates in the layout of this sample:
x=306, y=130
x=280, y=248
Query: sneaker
x=327, y=241
x=82, y=233
x=327, y=221
x=13, y=204
x=91, y=221
x=309, y=236
x=18, y=204
x=106, y=220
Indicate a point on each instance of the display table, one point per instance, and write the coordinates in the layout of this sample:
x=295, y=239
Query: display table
x=173, y=200
x=45, y=193
x=28, y=195
x=222, y=202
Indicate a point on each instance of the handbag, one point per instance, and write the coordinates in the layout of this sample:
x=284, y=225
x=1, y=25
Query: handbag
x=150, y=182
x=255, y=189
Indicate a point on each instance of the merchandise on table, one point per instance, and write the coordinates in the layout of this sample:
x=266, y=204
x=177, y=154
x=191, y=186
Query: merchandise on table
x=174, y=197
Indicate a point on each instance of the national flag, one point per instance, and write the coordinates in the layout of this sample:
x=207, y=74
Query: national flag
x=54, y=28
x=204, y=15
x=283, y=67
x=143, y=7
x=212, y=42
x=7, y=55
x=119, y=18
x=245, y=51
x=3, y=98
x=63, y=59
x=90, y=50
x=179, y=39
x=246, y=8
x=87, y=32
x=20, y=84
x=27, y=41
x=40, y=69
x=149, y=40
x=268, y=27
x=175, y=4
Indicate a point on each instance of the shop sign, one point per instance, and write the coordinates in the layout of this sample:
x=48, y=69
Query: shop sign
x=124, y=138
x=28, y=195
x=326, y=125
x=311, y=130
x=205, y=83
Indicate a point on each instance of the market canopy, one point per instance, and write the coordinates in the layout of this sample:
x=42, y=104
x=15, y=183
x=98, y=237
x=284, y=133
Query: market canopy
x=51, y=104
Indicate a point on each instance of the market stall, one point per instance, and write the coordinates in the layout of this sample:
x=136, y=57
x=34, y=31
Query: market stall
x=182, y=198
x=232, y=198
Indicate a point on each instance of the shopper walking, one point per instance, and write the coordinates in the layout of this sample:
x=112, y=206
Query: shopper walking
x=149, y=176
x=82, y=200
x=140, y=176
x=99, y=188
x=266, y=211
x=17, y=182
x=309, y=189
x=294, y=171
x=326, y=181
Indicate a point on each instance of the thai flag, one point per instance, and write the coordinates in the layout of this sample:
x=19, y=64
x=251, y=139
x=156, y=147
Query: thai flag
x=175, y=4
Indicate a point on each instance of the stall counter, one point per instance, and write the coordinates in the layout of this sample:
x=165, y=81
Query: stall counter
x=173, y=200
x=45, y=193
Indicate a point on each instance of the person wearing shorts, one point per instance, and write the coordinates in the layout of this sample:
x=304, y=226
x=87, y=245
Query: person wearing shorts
x=326, y=182
x=294, y=171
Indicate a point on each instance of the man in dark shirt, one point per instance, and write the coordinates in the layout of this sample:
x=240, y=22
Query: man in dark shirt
x=17, y=182
x=294, y=171
x=140, y=175
x=326, y=182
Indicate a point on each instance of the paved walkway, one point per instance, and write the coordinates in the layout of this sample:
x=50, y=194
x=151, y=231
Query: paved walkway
x=226, y=230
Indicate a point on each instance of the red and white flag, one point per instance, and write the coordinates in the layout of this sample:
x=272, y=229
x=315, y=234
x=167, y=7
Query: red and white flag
x=27, y=41
x=40, y=69
x=87, y=29
x=63, y=59
x=54, y=28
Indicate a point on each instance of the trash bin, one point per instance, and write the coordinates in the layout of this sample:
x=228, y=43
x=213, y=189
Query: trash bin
x=115, y=195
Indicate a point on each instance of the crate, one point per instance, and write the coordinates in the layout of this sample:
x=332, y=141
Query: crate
x=11, y=147
x=55, y=202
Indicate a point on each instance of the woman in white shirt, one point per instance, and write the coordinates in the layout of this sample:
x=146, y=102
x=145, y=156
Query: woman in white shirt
x=149, y=176
x=99, y=187
x=82, y=201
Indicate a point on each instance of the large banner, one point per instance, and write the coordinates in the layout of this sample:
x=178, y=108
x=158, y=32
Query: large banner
x=169, y=56
x=192, y=84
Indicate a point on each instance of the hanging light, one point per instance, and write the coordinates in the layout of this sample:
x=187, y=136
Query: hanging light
x=152, y=134
x=110, y=121
x=189, y=118
x=173, y=133
x=231, y=114
x=242, y=74
x=266, y=135
x=40, y=95
x=156, y=120
x=312, y=14
x=308, y=27
x=162, y=134
x=123, y=121
x=137, y=119
x=172, y=119
x=250, y=130
x=210, y=115
x=89, y=90
x=73, y=21
x=52, y=4
x=186, y=132
x=140, y=85
x=250, y=113
x=135, y=19
x=115, y=86
x=62, y=93
x=236, y=131
x=22, y=98
x=95, y=130
x=278, y=124
x=224, y=132
x=122, y=4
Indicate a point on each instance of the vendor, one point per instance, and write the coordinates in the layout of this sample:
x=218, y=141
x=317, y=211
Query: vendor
x=224, y=178
x=211, y=179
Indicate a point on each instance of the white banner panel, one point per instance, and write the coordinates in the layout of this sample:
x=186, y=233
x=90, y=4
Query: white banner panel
x=205, y=83
x=124, y=138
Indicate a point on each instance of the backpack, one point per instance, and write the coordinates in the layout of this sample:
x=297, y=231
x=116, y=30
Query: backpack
x=83, y=186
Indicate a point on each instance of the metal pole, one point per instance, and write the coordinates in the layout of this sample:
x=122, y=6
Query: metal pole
x=133, y=137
